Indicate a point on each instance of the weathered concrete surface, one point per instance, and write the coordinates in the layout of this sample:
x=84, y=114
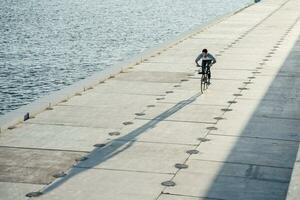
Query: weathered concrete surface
x=131, y=130
x=294, y=191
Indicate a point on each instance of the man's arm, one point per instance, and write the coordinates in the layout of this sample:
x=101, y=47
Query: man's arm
x=198, y=58
x=213, y=59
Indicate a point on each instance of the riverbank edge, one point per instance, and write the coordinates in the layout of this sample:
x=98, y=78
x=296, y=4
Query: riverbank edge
x=11, y=119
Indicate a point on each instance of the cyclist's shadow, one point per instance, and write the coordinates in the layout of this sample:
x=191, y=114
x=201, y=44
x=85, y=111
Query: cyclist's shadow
x=114, y=147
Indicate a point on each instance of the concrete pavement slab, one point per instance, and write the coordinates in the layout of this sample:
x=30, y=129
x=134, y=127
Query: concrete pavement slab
x=67, y=138
x=184, y=112
x=221, y=185
x=17, y=191
x=33, y=165
x=106, y=184
x=148, y=76
x=260, y=127
x=131, y=87
x=121, y=101
x=137, y=156
x=82, y=115
x=165, y=132
x=244, y=150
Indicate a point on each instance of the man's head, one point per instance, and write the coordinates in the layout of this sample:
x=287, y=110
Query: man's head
x=204, y=51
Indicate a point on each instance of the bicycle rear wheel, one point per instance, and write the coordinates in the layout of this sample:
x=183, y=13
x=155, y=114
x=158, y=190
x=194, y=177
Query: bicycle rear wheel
x=203, y=83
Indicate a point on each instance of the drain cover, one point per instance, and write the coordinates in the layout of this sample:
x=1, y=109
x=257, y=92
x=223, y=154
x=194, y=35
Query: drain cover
x=114, y=133
x=237, y=95
x=251, y=77
x=127, y=123
x=99, y=145
x=181, y=166
x=203, y=139
x=34, y=194
x=218, y=118
x=11, y=127
x=243, y=88
x=83, y=158
x=168, y=183
x=226, y=109
x=212, y=128
x=161, y=98
x=248, y=82
x=183, y=80
x=232, y=101
x=151, y=106
x=168, y=92
x=192, y=151
x=140, y=114
x=59, y=175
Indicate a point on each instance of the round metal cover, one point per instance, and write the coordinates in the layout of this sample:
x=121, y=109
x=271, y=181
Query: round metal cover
x=218, y=118
x=59, y=174
x=83, y=158
x=127, y=123
x=226, y=109
x=11, y=127
x=114, y=133
x=237, y=95
x=168, y=183
x=34, y=194
x=151, y=106
x=212, y=128
x=203, y=139
x=140, y=114
x=194, y=151
x=181, y=166
x=99, y=145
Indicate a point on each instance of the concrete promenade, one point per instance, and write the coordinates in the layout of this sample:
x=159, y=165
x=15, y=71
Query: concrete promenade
x=123, y=138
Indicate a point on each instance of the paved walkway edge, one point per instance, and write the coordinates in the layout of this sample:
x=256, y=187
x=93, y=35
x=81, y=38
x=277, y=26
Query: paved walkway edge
x=9, y=120
x=294, y=186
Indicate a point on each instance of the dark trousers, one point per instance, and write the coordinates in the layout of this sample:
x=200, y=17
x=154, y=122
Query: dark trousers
x=206, y=67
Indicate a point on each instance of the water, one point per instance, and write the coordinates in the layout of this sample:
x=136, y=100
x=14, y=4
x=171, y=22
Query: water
x=49, y=44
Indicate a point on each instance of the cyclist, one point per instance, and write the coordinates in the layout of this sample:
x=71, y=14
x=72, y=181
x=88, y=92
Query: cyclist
x=207, y=61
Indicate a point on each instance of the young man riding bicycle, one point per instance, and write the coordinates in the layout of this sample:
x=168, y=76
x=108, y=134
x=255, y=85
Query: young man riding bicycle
x=207, y=61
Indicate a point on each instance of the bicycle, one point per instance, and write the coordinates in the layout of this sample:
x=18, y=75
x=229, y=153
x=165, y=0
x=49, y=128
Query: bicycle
x=204, y=80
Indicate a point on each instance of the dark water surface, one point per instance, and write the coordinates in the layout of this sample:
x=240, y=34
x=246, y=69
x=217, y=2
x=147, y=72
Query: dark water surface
x=49, y=44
